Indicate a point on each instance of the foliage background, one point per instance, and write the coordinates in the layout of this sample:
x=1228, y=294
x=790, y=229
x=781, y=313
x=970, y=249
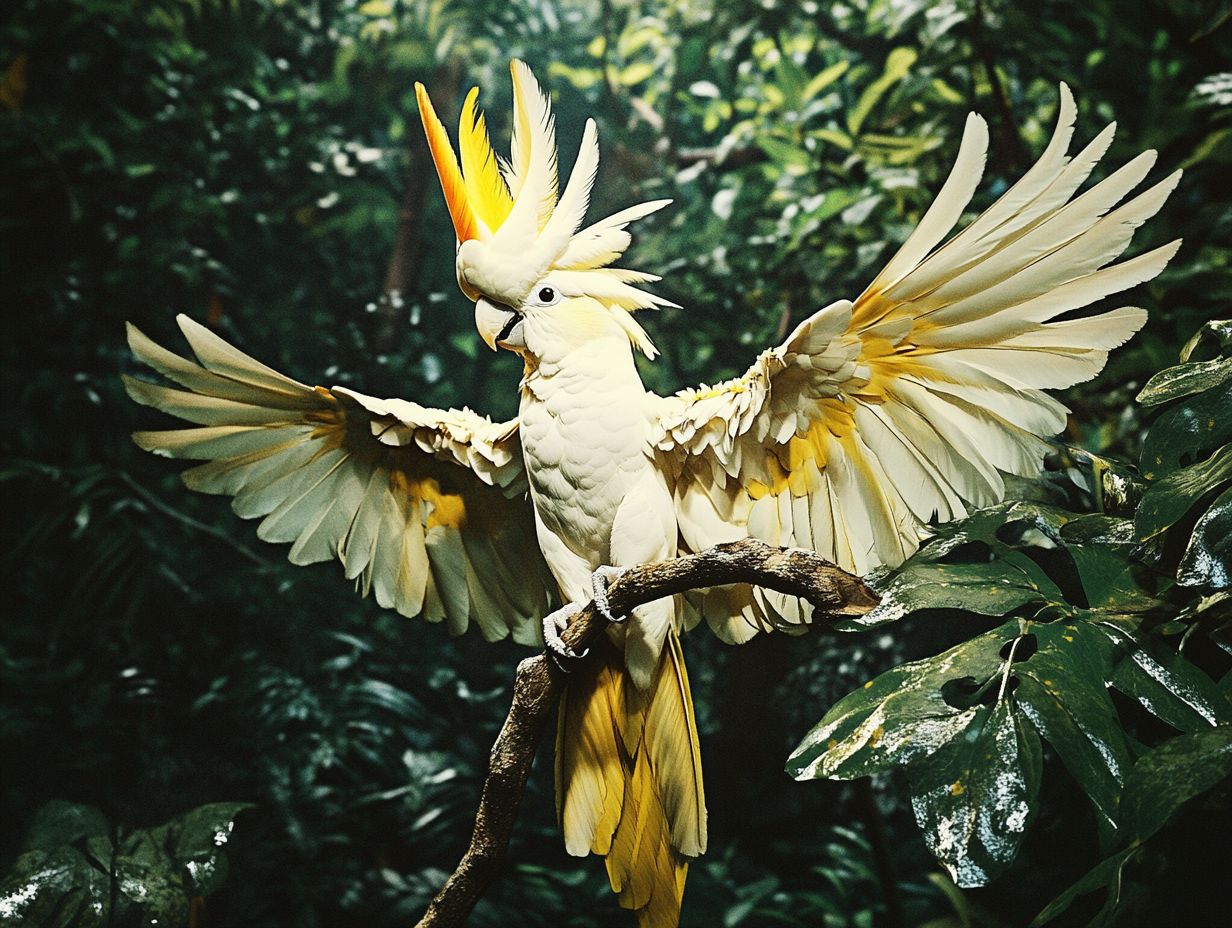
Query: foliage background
x=258, y=165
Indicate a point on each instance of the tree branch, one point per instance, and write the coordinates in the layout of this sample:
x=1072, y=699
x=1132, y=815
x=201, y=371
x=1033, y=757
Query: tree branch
x=538, y=684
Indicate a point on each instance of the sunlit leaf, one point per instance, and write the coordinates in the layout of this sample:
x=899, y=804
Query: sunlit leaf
x=897, y=64
x=1062, y=690
x=973, y=797
x=1184, y=379
x=1184, y=432
x=1165, y=683
x=1207, y=561
x=900, y=715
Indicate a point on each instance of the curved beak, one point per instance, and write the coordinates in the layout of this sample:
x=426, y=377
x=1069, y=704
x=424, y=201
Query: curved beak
x=498, y=324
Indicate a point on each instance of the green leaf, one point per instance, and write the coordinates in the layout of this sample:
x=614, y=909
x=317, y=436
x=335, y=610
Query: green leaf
x=1108, y=578
x=973, y=797
x=1107, y=875
x=898, y=63
x=824, y=79
x=58, y=823
x=1184, y=379
x=1167, y=500
x=55, y=889
x=793, y=159
x=1062, y=691
x=1162, y=681
x=204, y=830
x=1186, y=431
x=637, y=72
x=1002, y=579
x=901, y=715
x=1169, y=776
x=1215, y=336
x=1207, y=561
x=993, y=588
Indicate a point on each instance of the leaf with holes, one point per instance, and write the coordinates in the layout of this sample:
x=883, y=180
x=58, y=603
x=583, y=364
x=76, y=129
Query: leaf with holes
x=1185, y=432
x=1062, y=691
x=986, y=589
x=903, y=714
x=974, y=797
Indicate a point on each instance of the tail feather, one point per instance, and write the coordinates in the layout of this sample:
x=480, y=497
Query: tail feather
x=629, y=783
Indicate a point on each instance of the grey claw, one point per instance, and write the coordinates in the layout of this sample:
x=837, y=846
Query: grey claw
x=599, y=582
x=553, y=624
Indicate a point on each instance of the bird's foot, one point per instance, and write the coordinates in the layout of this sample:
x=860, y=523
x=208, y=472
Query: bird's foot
x=553, y=625
x=600, y=580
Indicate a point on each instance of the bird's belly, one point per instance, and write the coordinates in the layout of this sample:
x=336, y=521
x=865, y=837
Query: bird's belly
x=580, y=469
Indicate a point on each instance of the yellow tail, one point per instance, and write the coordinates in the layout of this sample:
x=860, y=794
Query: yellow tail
x=629, y=780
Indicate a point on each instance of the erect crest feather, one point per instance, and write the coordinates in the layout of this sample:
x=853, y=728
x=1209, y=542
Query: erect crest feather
x=515, y=224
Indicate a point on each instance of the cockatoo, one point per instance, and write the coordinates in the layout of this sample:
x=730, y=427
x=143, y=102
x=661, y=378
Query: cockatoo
x=874, y=420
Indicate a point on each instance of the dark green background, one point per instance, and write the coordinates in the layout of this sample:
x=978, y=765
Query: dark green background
x=250, y=164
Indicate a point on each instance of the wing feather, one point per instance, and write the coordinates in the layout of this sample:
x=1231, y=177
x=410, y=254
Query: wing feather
x=876, y=419
x=425, y=508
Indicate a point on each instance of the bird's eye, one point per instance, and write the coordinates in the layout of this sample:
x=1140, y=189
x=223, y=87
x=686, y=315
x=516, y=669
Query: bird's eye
x=546, y=296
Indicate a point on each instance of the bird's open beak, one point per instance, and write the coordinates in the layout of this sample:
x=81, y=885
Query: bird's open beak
x=498, y=325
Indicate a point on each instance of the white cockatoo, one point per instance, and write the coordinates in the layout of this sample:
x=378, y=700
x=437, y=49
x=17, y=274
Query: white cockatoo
x=874, y=420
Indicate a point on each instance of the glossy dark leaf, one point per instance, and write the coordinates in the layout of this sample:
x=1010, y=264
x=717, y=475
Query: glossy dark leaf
x=58, y=823
x=1062, y=690
x=1185, y=379
x=1165, y=683
x=1170, y=498
x=975, y=796
x=1106, y=875
x=986, y=589
x=55, y=889
x=1109, y=577
x=899, y=716
x=1207, y=561
x=1184, y=433
x=1214, y=338
x=1172, y=774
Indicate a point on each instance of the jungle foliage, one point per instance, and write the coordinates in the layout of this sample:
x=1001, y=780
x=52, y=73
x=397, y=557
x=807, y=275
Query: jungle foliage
x=1039, y=710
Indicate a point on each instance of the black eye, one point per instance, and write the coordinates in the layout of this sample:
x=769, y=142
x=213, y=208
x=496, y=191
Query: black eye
x=547, y=295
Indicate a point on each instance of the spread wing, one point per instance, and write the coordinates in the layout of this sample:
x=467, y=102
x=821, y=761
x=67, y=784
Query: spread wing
x=906, y=407
x=424, y=507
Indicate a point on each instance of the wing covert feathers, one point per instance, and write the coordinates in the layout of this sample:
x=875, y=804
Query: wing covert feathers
x=905, y=408
x=629, y=780
x=423, y=507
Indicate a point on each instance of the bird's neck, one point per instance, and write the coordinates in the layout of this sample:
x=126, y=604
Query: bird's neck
x=601, y=371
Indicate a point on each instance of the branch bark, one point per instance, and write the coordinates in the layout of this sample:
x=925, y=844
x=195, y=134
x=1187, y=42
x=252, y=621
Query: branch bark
x=538, y=684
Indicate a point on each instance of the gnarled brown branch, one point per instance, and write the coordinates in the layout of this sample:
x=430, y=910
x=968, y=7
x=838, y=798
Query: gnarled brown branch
x=537, y=686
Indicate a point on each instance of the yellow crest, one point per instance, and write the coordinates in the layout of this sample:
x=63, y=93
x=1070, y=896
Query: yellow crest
x=512, y=224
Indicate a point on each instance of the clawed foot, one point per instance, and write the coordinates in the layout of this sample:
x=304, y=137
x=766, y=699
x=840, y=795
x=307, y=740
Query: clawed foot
x=556, y=622
x=600, y=580
x=553, y=625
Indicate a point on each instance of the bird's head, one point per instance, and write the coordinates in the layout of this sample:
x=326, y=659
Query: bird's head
x=542, y=285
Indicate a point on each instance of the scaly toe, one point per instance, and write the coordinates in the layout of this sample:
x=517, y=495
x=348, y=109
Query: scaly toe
x=553, y=625
x=600, y=580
